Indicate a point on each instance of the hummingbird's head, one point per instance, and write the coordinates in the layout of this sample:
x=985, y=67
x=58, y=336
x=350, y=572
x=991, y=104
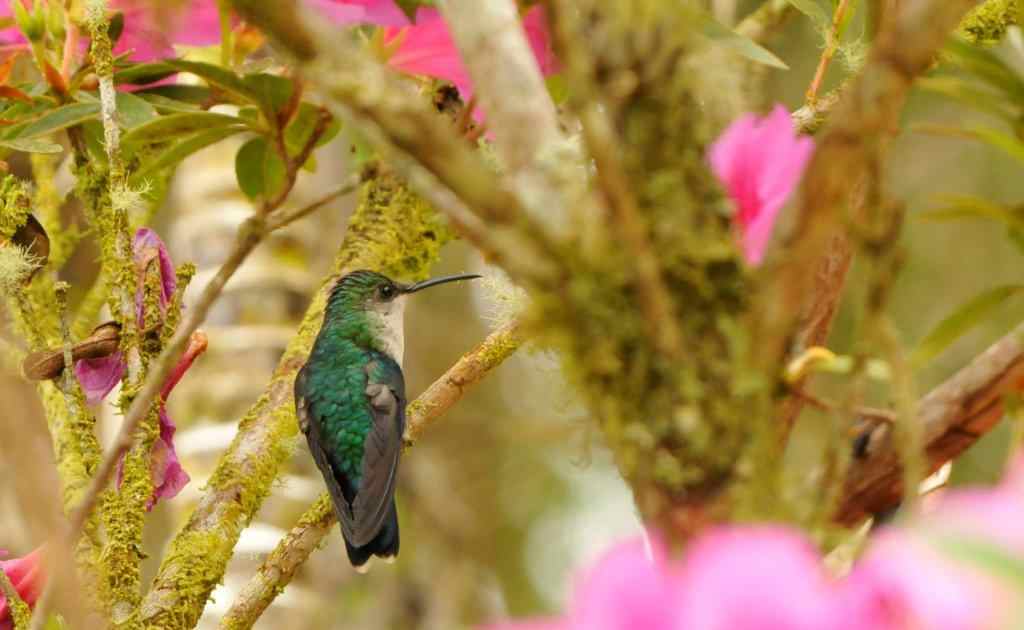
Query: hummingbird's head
x=381, y=301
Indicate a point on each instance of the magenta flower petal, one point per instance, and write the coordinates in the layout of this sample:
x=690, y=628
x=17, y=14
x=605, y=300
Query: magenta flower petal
x=26, y=574
x=99, y=376
x=753, y=577
x=630, y=587
x=151, y=31
x=146, y=244
x=345, y=12
x=759, y=161
x=426, y=48
x=168, y=476
x=904, y=583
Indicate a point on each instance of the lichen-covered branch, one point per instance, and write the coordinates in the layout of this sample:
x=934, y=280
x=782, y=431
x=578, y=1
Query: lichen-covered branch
x=279, y=567
x=391, y=231
x=951, y=417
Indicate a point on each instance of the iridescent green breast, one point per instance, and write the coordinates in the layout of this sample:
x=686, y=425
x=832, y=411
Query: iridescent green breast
x=337, y=393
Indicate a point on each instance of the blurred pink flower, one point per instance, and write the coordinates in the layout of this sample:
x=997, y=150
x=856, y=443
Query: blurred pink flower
x=903, y=582
x=344, y=12
x=628, y=588
x=150, y=29
x=26, y=574
x=759, y=161
x=99, y=376
x=737, y=578
x=426, y=48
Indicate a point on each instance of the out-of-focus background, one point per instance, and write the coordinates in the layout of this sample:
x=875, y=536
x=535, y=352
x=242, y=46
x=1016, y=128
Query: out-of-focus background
x=512, y=489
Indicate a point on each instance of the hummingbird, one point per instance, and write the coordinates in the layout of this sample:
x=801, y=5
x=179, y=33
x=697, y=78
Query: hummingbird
x=350, y=402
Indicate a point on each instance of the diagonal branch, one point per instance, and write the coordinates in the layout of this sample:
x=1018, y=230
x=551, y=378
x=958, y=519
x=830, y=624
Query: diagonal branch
x=952, y=417
x=294, y=549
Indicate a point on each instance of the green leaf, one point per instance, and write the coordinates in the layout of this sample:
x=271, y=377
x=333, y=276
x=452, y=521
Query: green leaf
x=217, y=76
x=965, y=92
x=970, y=207
x=960, y=321
x=165, y=105
x=194, y=94
x=144, y=73
x=60, y=118
x=984, y=554
x=174, y=126
x=259, y=169
x=182, y=149
x=813, y=10
x=986, y=66
x=133, y=111
x=1005, y=142
x=274, y=92
x=716, y=31
x=31, y=145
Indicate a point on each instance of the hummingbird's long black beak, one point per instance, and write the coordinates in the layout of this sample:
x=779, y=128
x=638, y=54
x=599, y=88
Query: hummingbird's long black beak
x=413, y=288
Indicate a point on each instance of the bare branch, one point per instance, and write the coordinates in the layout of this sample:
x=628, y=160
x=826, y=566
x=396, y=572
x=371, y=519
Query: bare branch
x=952, y=417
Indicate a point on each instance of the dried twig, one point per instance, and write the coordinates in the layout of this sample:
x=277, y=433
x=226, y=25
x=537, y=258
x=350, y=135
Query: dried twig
x=292, y=551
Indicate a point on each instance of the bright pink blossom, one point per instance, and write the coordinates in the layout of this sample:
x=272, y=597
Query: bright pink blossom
x=99, y=376
x=426, y=48
x=150, y=29
x=344, y=12
x=759, y=161
x=26, y=574
x=770, y=578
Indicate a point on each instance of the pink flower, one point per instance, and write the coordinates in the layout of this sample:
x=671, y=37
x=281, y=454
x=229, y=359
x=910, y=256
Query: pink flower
x=903, y=582
x=99, y=376
x=26, y=574
x=737, y=578
x=759, y=161
x=151, y=30
x=344, y=12
x=627, y=589
x=426, y=48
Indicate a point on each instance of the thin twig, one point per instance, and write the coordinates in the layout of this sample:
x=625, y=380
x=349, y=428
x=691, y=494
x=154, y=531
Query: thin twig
x=287, y=218
x=831, y=45
x=294, y=549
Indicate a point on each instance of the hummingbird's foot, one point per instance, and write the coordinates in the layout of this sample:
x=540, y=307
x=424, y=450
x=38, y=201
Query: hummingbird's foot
x=363, y=569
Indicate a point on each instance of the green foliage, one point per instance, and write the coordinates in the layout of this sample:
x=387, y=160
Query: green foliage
x=721, y=34
x=260, y=170
x=968, y=316
x=813, y=10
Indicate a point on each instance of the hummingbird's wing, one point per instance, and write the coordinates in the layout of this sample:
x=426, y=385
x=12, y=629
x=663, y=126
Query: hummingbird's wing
x=385, y=392
x=305, y=412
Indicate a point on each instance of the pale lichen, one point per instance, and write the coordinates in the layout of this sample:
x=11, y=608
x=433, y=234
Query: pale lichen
x=987, y=22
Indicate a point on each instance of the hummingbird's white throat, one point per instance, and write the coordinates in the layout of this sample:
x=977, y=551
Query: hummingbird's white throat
x=391, y=326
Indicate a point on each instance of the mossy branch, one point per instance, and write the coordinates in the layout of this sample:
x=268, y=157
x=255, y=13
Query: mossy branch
x=392, y=231
x=294, y=549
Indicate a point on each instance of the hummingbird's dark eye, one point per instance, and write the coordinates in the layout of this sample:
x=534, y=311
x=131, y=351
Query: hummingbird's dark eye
x=387, y=291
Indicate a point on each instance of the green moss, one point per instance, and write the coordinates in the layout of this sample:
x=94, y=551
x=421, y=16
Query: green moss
x=392, y=231
x=987, y=22
x=677, y=427
x=15, y=204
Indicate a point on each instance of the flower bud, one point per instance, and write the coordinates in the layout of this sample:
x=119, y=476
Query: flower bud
x=31, y=24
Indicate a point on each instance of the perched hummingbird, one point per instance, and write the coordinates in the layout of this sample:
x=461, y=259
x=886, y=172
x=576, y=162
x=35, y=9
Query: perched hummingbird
x=350, y=401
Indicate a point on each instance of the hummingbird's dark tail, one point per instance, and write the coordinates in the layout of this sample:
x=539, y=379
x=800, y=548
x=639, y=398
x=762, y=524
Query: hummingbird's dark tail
x=384, y=544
